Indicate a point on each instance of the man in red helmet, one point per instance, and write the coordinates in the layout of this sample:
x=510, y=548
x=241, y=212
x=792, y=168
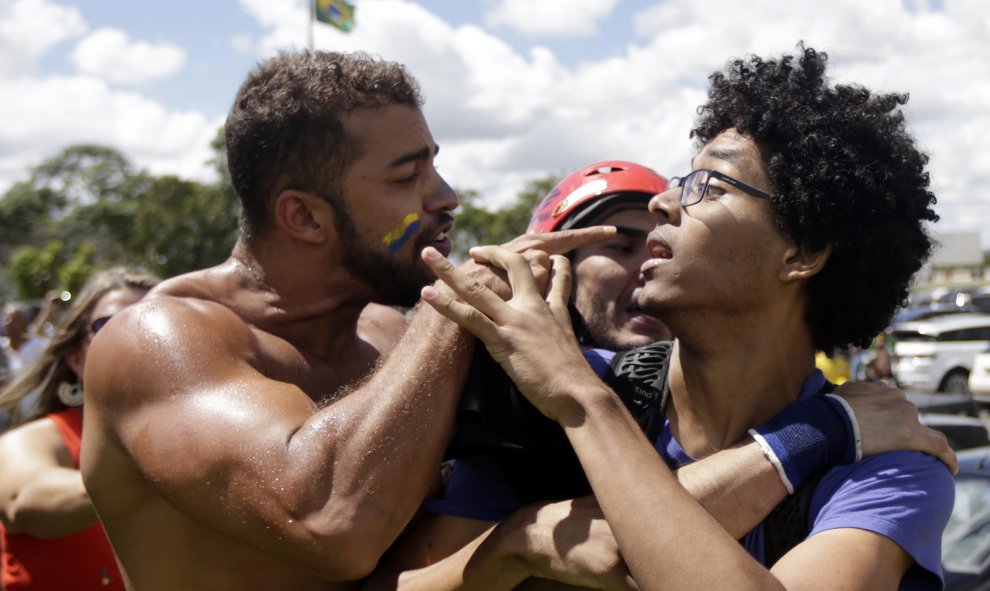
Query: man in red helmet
x=607, y=280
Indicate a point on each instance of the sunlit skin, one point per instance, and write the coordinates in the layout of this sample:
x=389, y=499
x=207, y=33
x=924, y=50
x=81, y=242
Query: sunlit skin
x=720, y=255
x=607, y=282
x=231, y=362
x=730, y=286
x=107, y=306
x=234, y=412
x=392, y=176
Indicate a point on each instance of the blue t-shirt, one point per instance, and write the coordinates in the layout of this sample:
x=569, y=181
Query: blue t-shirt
x=904, y=496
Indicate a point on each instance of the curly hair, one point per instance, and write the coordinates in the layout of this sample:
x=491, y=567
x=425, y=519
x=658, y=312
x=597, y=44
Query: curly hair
x=285, y=128
x=846, y=173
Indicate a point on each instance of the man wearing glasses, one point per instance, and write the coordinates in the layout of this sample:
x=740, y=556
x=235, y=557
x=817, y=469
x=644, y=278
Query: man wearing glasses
x=797, y=230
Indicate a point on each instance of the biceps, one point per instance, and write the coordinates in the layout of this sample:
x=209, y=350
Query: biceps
x=200, y=447
x=851, y=559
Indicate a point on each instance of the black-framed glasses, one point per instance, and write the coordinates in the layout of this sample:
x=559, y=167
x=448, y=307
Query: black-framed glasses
x=96, y=325
x=694, y=185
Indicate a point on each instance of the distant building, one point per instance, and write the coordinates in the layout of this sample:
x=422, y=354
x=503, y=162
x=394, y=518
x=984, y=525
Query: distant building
x=958, y=260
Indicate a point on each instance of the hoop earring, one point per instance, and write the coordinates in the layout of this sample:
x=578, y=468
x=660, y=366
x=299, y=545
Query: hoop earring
x=70, y=394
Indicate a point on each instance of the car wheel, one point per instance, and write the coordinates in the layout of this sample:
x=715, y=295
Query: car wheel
x=957, y=382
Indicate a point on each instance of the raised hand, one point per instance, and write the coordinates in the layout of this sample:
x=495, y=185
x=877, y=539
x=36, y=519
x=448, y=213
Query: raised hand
x=537, y=250
x=528, y=335
x=888, y=421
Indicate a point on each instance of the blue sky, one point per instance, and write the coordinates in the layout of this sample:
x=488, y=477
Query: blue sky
x=515, y=89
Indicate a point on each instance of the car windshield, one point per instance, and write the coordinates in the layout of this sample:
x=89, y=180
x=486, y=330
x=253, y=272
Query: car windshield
x=966, y=540
x=912, y=335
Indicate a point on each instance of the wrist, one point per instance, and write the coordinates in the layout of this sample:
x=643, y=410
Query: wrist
x=586, y=396
x=507, y=550
x=808, y=436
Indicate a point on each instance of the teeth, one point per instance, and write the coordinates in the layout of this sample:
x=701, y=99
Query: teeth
x=441, y=236
x=662, y=252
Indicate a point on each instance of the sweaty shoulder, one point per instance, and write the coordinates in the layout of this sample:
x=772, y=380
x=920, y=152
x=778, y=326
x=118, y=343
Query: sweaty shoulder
x=174, y=335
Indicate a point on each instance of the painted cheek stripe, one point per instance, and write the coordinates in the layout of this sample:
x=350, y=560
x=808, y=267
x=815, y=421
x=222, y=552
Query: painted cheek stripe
x=397, y=237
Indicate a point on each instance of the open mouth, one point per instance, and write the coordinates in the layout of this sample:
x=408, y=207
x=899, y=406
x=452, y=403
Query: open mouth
x=440, y=240
x=658, y=249
x=660, y=252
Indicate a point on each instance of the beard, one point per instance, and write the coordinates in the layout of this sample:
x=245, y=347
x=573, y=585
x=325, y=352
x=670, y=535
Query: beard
x=392, y=281
x=599, y=326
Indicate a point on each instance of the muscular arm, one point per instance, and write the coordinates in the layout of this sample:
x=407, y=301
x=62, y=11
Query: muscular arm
x=252, y=456
x=219, y=420
x=41, y=493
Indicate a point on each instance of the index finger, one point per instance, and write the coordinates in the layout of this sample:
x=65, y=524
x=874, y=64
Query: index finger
x=563, y=241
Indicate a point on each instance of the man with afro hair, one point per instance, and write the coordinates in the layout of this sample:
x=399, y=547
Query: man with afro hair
x=798, y=229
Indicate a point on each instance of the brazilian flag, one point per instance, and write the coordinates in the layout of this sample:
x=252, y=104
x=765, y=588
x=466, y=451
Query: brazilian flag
x=339, y=13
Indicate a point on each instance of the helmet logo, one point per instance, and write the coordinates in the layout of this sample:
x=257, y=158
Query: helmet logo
x=577, y=195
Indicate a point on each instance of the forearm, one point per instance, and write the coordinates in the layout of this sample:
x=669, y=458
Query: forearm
x=660, y=529
x=51, y=505
x=484, y=564
x=737, y=486
x=385, y=439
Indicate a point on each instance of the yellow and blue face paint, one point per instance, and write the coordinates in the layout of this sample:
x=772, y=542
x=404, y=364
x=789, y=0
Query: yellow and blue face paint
x=397, y=237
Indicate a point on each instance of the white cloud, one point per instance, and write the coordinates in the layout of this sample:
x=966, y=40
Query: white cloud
x=242, y=43
x=41, y=115
x=506, y=114
x=30, y=28
x=112, y=55
x=147, y=133
x=505, y=117
x=550, y=18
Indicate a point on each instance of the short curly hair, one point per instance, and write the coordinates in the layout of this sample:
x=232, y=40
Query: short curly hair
x=285, y=128
x=845, y=172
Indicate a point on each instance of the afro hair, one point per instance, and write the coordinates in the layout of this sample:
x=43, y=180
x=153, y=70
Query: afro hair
x=846, y=173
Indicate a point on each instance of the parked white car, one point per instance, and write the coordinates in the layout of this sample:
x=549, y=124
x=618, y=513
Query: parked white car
x=979, y=377
x=936, y=355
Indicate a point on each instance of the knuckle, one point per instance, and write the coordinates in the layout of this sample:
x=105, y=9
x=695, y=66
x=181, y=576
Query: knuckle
x=474, y=288
x=537, y=257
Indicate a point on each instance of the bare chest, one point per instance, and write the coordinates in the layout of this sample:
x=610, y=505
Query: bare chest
x=319, y=376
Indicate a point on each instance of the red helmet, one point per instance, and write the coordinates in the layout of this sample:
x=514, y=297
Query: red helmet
x=593, y=193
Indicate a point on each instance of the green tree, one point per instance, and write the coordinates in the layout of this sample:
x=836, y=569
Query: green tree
x=85, y=173
x=183, y=225
x=36, y=271
x=25, y=216
x=475, y=224
x=88, y=208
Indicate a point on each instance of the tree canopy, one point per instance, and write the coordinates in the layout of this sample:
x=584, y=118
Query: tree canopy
x=88, y=208
x=475, y=224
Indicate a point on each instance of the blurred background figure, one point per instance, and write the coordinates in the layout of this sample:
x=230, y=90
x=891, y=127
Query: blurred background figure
x=18, y=344
x=879, y=367
x=51, y=538
x=834, y=366
x=875, y=363
x=26, y=331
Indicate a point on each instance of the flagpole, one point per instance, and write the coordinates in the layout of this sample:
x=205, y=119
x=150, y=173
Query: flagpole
x=309, y=28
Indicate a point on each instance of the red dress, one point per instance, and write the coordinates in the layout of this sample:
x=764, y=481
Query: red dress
x=82, y=561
